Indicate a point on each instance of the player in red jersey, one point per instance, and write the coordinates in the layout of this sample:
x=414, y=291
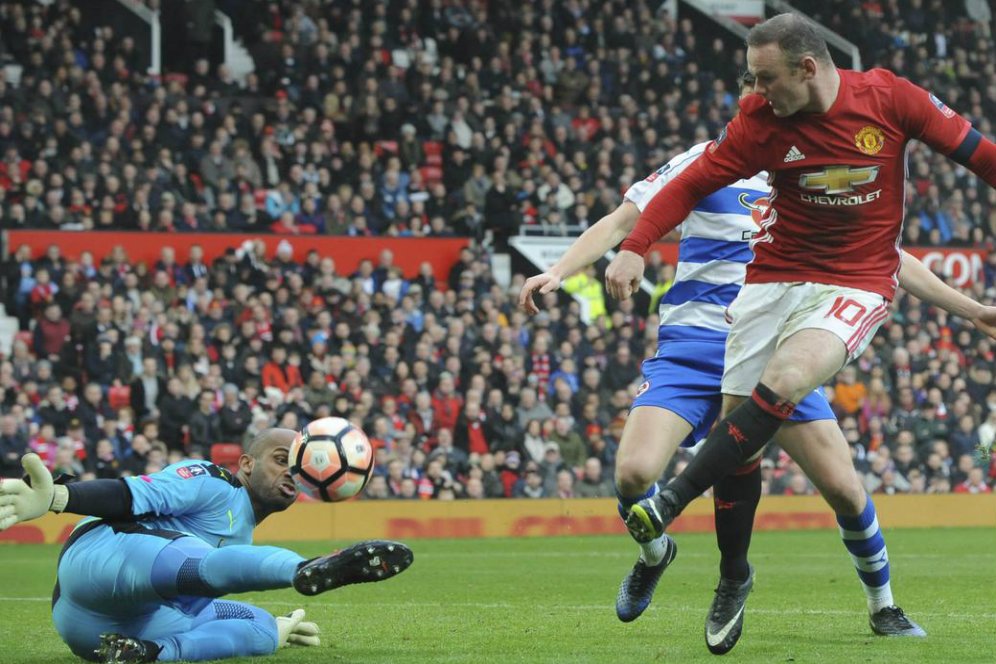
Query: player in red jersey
x=827, y=255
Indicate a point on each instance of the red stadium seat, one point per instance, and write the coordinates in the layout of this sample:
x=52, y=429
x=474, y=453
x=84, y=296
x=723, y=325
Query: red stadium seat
x=433, y=153
x=226, y=455
x=431, y=174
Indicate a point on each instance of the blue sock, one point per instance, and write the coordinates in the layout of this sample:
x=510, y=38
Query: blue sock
x=187, y=566
x=866, y=544
x=625, y=503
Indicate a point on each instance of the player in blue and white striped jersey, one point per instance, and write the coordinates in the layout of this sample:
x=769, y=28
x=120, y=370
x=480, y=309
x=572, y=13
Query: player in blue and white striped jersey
x=712, y=263
x=680, y=399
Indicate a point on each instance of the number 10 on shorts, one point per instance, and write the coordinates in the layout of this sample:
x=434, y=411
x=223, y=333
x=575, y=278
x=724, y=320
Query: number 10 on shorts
x=847, y=310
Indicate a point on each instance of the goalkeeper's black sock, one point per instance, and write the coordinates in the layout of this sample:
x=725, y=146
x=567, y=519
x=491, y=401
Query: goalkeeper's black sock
x=735, y=499
x=738, y=437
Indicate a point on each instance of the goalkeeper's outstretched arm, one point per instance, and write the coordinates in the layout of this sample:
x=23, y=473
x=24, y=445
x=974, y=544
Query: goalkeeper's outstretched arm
x=22, y=500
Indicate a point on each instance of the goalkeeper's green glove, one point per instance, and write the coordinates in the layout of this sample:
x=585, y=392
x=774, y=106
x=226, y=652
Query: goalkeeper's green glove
x=292, y=630
x=21, y=501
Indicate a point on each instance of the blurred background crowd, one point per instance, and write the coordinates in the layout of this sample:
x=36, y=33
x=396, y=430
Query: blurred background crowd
x=423, y=119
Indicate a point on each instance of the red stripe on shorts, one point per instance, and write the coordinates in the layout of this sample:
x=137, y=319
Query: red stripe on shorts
x=873, y=317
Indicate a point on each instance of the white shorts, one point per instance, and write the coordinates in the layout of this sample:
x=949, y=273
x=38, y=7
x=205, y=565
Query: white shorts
x=765, y=315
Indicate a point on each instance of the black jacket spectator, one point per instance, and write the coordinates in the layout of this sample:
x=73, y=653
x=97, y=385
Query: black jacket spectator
x=138, y=394
x=13, y=444
x=174, y=416
x=103, y=363
x=233, y=420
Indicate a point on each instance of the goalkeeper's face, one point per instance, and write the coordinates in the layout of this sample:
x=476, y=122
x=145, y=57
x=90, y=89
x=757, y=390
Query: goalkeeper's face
x=268, y=479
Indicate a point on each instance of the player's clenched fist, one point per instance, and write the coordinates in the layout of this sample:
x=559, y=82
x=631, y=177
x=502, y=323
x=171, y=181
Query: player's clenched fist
x=20, y=501
x=542, y=284
x=623, y=275
x=985, y=322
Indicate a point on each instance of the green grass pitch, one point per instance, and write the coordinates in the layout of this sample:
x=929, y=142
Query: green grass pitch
x=551, y=600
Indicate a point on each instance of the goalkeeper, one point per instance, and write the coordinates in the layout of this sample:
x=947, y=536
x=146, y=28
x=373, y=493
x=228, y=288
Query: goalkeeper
x=138, y=579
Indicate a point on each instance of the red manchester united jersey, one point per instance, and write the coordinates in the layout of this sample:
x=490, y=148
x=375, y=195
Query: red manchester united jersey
x=837, y=178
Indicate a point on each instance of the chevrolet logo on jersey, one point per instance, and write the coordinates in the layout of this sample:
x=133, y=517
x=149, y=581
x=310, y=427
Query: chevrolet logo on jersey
x=840, y=180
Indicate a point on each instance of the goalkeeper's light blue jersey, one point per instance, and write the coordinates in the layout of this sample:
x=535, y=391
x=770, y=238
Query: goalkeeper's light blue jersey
x=193, y=497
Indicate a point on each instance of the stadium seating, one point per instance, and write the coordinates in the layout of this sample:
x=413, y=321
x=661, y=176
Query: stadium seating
x=198, y=155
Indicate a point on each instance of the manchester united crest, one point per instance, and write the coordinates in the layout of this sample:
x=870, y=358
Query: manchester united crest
x=870, y=139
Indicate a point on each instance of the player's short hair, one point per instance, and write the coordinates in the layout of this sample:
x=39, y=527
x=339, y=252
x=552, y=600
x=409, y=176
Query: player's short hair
x=795, y=35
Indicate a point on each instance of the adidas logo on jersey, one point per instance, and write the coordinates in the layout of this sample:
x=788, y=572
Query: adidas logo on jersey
x=794, y=154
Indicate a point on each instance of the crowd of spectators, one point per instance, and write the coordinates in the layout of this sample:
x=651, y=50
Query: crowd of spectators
x=419, y=119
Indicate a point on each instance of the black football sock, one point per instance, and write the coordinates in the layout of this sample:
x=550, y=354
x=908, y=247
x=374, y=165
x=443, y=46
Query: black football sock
x=738, y=437
x=735, y=499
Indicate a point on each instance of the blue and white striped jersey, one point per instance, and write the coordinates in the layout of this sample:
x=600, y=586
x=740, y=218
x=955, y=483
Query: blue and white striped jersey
x=713, y=254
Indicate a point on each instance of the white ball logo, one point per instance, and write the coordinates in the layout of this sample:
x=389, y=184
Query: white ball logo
x=319, y=460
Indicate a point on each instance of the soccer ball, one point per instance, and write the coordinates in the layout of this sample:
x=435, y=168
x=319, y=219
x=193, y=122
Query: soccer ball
x=331, y=460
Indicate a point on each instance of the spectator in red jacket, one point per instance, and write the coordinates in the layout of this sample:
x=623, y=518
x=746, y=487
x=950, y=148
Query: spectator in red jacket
x=287, y=225
x=281, y=373
x=470, y=434
x=44, y=444
x=976, y=483
x=51, y=333
x=446, y=402
x=43, y=293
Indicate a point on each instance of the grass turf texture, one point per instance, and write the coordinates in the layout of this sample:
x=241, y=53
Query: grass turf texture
x=552, y=600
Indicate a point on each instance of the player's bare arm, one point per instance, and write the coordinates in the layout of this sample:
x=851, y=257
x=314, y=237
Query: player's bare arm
x=669, y=207
x=666, y=210
x=608, y=232
x=916, y=278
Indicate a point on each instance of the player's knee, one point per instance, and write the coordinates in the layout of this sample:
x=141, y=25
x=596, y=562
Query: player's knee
x=846, y=496
x=254, y=629
x=632, y=477
x=788, y=382
x=263, y=641
x=263, y=638
x=78, y=630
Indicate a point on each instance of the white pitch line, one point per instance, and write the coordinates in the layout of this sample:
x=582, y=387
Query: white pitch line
x=630, y=554
x=504, y=606
x=607, y=607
